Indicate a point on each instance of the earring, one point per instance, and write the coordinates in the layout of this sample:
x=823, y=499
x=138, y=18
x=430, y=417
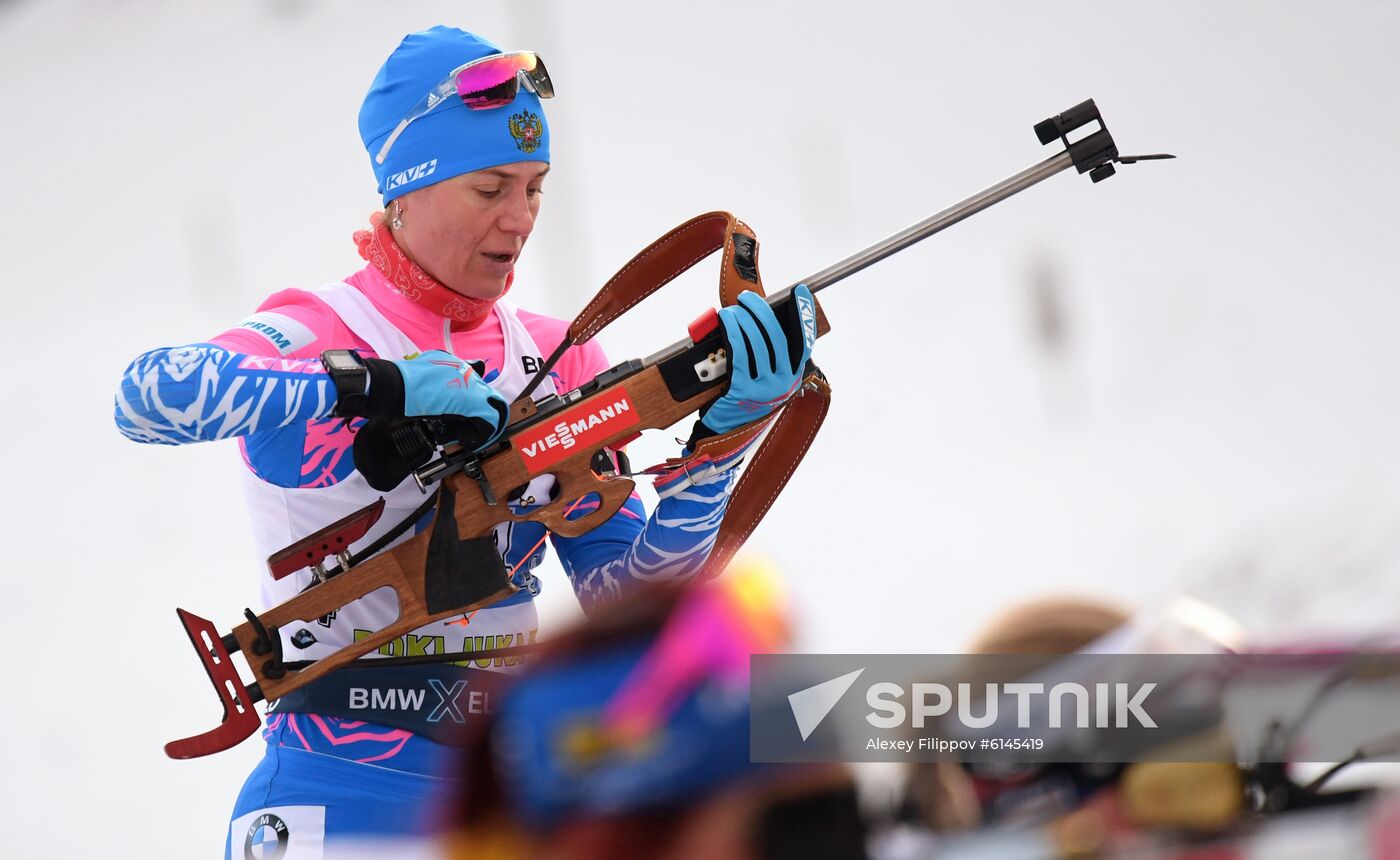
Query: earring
x=397, y=220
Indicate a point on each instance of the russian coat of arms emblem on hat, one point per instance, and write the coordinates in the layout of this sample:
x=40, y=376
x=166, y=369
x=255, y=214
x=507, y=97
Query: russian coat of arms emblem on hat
x=527, y=130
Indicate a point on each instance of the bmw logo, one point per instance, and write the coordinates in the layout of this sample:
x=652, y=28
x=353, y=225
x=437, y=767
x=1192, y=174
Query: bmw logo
x=266, y=839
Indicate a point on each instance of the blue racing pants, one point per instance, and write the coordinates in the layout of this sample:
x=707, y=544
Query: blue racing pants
x=299, y=805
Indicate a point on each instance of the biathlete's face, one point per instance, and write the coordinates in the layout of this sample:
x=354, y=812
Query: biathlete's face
x=468, y=231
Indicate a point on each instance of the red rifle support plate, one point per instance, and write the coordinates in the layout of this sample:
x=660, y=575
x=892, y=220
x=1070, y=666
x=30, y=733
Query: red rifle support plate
x=331, y=540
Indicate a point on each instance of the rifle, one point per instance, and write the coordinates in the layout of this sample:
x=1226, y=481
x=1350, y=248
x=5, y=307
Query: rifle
x=453, y=567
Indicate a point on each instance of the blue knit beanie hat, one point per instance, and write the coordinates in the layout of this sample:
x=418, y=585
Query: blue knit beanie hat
x=450, y=139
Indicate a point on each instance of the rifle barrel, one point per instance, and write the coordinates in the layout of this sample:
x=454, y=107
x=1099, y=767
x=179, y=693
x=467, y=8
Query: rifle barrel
x=934, y=223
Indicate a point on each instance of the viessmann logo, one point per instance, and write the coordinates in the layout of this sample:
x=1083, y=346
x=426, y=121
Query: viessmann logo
x=585, y=424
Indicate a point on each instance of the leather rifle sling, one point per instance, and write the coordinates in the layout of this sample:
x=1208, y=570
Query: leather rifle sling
x=663, y=261
x=793, y=426
x=769, y=469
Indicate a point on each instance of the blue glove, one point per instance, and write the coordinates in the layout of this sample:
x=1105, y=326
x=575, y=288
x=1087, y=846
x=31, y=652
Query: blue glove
x=439, y=383
x=436, y=385
x=765, y=365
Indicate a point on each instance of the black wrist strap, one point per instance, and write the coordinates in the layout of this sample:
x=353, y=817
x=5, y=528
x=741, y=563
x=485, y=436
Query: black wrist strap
x=385, y=397
x=364, y=387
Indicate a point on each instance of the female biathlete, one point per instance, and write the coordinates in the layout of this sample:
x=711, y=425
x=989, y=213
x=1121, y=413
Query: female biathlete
x=457, y=138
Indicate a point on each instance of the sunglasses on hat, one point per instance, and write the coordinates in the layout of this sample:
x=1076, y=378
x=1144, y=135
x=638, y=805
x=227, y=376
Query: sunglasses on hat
x=489, y=82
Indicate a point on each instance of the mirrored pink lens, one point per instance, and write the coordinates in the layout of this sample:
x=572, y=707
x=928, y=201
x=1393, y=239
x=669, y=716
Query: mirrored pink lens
x=493, y=81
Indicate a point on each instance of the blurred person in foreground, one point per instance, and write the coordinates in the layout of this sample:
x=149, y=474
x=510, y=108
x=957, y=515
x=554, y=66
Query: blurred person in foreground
x=1079, y=805
x=629, y=737
x=456, y=135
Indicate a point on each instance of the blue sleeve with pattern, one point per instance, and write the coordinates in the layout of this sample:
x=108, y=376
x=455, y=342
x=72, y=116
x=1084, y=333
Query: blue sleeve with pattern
x=199, y=393
x=670, y=546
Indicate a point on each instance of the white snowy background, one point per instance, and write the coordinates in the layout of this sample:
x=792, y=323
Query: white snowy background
x=1183, y=377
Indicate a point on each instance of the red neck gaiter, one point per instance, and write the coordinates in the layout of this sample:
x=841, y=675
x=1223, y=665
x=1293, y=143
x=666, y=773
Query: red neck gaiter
x=378, y=248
